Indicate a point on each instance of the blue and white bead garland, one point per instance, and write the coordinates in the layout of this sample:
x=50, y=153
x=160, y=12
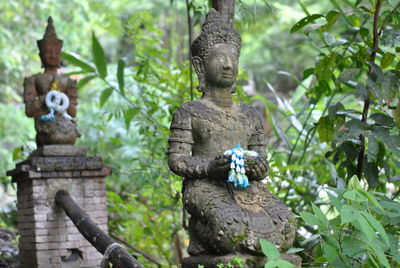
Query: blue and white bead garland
x=237, y=175
x=56, y=101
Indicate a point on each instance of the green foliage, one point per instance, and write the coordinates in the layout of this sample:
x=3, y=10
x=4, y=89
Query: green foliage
x=144, y=198
x=130, y=86
x=361, y=231
x=273, y=255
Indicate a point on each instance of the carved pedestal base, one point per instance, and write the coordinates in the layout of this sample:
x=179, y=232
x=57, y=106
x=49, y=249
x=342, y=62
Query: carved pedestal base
x=249, y=261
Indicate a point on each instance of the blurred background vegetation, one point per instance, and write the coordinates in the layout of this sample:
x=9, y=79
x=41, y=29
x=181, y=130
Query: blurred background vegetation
x=311, y=78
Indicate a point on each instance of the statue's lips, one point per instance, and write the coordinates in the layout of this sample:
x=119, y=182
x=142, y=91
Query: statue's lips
x=227, y=75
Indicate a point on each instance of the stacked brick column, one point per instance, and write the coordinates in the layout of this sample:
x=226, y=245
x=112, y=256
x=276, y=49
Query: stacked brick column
x=48, y=237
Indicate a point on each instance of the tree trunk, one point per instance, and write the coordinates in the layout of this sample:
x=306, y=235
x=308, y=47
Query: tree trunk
x=226, y=8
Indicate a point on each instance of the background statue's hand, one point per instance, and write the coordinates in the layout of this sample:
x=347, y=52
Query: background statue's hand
x=219, y=167
x=256, y=167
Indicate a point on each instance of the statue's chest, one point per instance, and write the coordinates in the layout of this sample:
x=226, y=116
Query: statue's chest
x=43, y=83
x=217, y=133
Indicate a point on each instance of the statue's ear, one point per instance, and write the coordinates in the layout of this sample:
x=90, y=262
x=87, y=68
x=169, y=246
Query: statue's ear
x=198, y=65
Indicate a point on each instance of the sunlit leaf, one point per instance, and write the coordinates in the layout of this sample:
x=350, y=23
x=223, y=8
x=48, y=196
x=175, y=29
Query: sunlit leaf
x=331, y=17
x=305, y=21
x=269, y=249
x=77, y=62
x=325, y=129
x=387, y=59
x=85, y=80
x=99, y=57
x=120, y=76
x=129, y=114
x=105, y=95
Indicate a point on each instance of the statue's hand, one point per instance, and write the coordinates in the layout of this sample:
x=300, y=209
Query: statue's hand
x=256, y=167
x=219, y=167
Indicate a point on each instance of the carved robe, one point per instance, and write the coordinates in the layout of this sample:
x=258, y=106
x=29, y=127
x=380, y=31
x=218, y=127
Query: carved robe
x=224, y=219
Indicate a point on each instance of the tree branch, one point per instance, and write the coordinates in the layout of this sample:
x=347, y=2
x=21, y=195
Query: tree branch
x=386, y=20
x=360, y=159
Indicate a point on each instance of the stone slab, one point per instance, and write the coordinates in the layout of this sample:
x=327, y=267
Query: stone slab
x=249, y=261
x=59, y=150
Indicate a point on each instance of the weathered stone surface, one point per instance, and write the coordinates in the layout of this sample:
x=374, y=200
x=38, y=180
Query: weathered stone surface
x=47, y=235
x=224, y=219
x=59, y=150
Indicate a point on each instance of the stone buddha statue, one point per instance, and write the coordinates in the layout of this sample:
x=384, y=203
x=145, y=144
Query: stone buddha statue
x=224, y=220
x=50, y=97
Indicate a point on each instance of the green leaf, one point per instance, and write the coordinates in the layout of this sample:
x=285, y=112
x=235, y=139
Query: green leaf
x=272, y=264
x=99, y=57
x=354, y=183
x=325, y=129
x=17, y=153
x=284, y=264
x=382, y=119
x=390, y=86
x=105, y=95
x=129, y=115
x=85, y=80
x=335, y=201
x=373, y=148
x=120, y=76
x=380, y=254
x=332, y=17
x=353, y=194
x=371, y=173
x=348, y=214
x=370, y=198
x=364, y=32
x=387, y=59
x=77, y=62
x=305, y=21
x=330, y=252
x=320, y=215
x=269, y=249
x=365, y=227
x=376, y=225
x=324, y=67
x=294, y=250
x=309, y=218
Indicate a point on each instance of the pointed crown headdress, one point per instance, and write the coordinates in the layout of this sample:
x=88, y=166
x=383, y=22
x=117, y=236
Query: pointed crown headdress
x=214, y=31
x=50, y=36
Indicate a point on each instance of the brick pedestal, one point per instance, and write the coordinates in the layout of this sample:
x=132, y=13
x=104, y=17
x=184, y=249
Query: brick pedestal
x=48, y=238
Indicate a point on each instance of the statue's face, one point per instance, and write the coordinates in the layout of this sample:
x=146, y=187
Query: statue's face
x=221, y=66
x=50, y=55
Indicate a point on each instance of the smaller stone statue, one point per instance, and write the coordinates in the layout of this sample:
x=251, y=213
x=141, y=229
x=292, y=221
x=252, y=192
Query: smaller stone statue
x=50, y=97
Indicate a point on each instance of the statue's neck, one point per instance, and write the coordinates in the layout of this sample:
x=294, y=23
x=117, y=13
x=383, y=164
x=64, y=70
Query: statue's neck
x=222, y=97
x=50, y=70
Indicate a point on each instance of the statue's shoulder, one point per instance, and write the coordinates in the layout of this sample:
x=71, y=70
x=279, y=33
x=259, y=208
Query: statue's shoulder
x=192, y=107
x=31, y=79
x=248, y=110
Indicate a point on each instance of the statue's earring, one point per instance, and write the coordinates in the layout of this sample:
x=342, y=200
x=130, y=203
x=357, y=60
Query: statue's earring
x=198, y=66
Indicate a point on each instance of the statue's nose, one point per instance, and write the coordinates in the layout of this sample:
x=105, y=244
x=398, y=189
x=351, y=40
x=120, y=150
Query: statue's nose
x=227, y=65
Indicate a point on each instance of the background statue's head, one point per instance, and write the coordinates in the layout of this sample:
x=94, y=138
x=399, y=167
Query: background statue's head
x=50, y=46
x=215, y=53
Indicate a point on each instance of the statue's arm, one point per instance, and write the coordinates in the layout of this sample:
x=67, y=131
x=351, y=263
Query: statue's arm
x=259, y=169
x=72, y=93
x=33, y=103
x=180, y=142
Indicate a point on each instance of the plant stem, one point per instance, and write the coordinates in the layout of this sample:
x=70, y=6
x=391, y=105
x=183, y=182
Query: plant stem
x=367, y=100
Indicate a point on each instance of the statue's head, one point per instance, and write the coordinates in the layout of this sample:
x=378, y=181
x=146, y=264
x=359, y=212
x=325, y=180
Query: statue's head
x=215, y=53
x=50, y=46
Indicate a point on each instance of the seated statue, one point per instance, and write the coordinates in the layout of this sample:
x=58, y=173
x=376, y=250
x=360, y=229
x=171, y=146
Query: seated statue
x=224, y=219
x=51, y=98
